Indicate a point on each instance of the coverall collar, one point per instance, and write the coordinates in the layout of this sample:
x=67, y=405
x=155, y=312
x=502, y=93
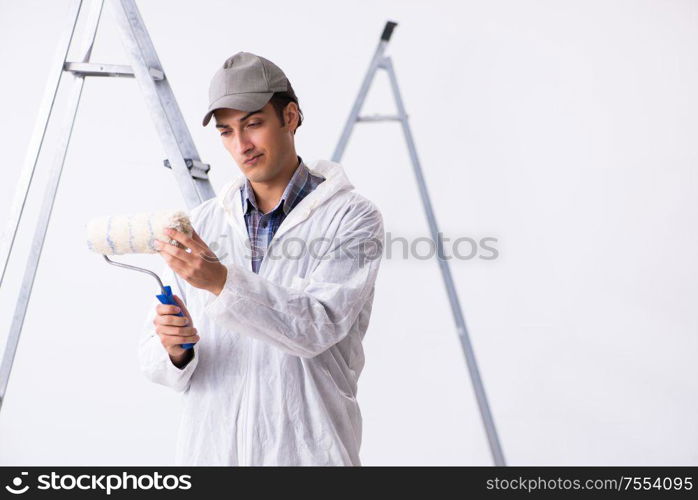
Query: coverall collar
x=335, y=181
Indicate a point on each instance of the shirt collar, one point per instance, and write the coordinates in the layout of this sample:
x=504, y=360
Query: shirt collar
x=293, y=188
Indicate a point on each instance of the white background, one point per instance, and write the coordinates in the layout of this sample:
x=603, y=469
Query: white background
x=566, y=129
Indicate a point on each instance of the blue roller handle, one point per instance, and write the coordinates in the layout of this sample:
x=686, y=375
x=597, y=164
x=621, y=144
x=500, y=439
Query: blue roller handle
x=168, y=298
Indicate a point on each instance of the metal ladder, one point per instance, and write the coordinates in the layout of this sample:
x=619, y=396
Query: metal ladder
x=191, y=174
x=380, y=61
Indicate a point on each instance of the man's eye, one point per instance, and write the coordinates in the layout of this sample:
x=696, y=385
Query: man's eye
x=225, y=133
x=253, y=124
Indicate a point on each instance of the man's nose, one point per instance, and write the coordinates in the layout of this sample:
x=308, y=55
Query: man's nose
x=244, y=145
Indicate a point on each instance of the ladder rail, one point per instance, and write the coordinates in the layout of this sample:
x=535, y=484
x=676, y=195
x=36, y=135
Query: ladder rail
x=160, y=100
x=76, y=85
x=37, y=138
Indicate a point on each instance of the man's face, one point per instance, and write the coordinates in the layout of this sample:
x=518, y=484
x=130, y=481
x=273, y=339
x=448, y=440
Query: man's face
x=258, y=133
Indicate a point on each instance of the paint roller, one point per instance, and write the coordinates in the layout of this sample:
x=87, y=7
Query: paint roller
x=123, y=234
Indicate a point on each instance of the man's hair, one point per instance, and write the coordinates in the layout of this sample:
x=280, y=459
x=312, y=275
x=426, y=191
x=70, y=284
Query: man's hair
x=280, y=100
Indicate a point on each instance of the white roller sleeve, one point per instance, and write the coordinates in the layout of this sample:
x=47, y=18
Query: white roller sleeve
x=120, y=234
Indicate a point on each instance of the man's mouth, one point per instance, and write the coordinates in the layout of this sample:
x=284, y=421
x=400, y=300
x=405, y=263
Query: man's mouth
x=252, y=161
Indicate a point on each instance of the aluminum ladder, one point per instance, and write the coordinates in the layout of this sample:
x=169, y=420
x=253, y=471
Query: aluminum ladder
x=191, y=174
x=381, y=61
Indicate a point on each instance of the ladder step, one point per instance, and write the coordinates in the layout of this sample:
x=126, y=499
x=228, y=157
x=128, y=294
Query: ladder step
x=110, y=70
x=379, y=118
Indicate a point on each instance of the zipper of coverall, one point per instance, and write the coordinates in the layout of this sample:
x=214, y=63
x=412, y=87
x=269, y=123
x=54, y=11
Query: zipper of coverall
x=245, y=393
x=243, y=438
x=242, y=458
x=242, y=443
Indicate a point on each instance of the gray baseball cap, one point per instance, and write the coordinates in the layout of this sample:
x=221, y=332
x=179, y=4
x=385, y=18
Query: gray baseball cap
x=245, y=82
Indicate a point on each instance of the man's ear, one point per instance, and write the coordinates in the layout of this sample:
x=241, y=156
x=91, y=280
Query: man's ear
x=291, y=116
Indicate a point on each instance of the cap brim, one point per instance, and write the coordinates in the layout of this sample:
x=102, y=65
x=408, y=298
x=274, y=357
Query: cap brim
x=249, y=101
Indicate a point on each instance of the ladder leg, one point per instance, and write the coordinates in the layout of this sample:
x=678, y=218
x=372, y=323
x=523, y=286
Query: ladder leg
x=76, y=85
x=478, y=387
x=37, y=139
x=160, y=100
x=379, y=61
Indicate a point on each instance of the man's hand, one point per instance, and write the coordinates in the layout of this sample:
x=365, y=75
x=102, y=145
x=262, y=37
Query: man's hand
x=200, y=267
x=175, y=330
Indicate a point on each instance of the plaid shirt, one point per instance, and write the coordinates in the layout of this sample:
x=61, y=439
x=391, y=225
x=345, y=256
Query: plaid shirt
x=261, y=227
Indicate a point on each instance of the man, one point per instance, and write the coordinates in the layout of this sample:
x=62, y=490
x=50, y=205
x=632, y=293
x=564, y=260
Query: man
x=276, y=285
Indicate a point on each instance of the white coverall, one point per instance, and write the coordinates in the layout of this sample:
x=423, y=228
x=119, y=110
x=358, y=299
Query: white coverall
x=273, y=380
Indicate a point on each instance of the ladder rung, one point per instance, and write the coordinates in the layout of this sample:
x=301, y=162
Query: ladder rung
x=379, y=118
x=91, y=69
x=112, y=70
x=383, y=63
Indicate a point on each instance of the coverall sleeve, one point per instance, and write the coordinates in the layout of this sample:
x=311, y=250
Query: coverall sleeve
x=154, y=359
x=305, y=322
